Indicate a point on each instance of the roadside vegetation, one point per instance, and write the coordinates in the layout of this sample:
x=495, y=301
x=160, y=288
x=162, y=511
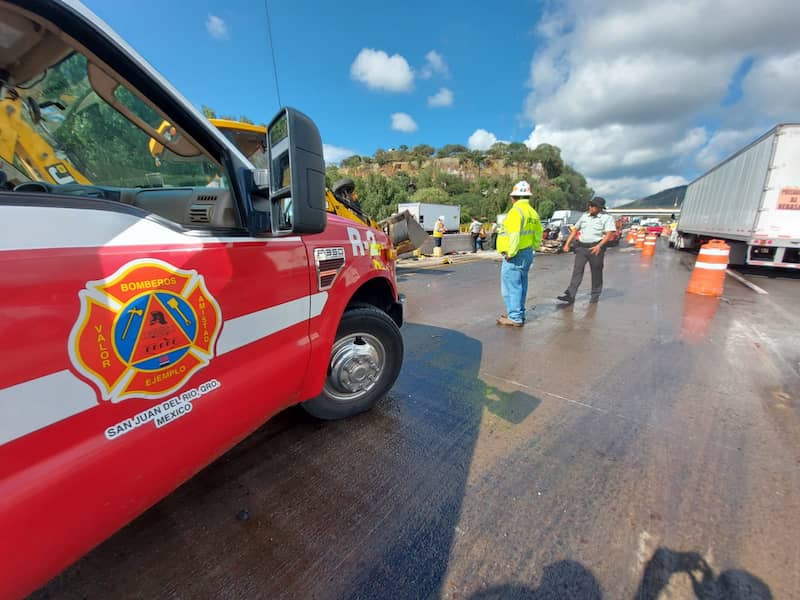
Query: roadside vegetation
x=478, y=181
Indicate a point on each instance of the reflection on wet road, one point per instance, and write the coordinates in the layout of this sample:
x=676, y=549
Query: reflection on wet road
x=645, y=447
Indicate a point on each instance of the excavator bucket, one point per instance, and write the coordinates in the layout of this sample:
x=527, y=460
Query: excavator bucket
x=404, y=231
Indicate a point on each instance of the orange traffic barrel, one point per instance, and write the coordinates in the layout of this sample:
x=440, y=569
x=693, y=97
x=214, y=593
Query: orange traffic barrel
x=640, y=239
x=708, y=276
x=649, y=248
x=631, y=237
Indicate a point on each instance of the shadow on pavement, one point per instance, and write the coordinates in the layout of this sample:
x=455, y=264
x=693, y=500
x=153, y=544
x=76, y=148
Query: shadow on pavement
x=568, y=579
x=732, y=584
x=441, y=396
x=362, y=508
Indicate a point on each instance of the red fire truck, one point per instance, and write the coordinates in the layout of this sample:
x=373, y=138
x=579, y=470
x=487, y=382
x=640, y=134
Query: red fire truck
x=158, y=314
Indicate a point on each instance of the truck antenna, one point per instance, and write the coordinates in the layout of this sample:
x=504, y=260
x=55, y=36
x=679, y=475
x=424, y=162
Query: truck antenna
x=272, y=50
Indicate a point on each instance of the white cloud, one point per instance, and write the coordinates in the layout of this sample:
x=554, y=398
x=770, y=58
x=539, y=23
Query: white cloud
x=217, y=27
x=444, y=97
x=403, y=122
x=379, y=71
x=630, y=90
x=773, y=86
x=614, y=148
x=335, y=154
x=724, y=143
x=481, y=140
x=692, y=140
x=434, y=65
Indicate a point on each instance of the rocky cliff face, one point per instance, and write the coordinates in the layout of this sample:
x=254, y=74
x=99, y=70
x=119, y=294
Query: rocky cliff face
x=451, y=166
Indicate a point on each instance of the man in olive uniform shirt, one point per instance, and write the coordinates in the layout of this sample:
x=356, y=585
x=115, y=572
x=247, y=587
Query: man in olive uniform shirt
x=597, y=229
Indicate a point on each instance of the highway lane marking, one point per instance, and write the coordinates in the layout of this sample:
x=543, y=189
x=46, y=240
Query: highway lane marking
x=746, y=283
x=527, y=387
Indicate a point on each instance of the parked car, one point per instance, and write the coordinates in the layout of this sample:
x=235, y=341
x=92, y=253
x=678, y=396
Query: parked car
x=653, y=226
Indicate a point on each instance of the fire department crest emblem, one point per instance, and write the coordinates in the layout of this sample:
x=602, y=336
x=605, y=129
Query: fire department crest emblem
x=143, y=331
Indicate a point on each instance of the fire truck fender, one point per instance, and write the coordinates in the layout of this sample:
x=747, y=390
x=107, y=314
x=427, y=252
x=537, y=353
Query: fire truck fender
x=374, y=308
x=379, y=292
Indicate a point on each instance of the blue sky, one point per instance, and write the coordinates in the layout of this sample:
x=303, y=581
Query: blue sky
x=639, y=96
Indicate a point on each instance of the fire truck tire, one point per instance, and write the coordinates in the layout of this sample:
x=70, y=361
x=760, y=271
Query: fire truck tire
x=365, y=361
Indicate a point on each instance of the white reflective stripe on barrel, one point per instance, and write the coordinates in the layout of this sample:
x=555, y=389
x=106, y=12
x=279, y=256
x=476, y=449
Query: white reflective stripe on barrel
x=713, y=252
x=710, y=266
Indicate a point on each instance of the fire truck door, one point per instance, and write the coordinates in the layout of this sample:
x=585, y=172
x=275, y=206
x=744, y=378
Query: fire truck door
x=135, y=354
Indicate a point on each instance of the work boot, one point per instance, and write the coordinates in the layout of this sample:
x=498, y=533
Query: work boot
x=565, y=297
x=504, y=320
x=594, y=299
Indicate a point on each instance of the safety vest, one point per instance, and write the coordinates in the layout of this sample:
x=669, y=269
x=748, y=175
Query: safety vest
x=521, y=229
x=436, y=231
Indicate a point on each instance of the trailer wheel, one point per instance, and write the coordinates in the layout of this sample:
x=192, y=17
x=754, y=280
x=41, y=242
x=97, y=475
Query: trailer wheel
x=365, y=361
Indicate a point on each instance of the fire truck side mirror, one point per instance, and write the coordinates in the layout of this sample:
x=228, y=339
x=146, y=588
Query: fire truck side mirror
x=296, y=177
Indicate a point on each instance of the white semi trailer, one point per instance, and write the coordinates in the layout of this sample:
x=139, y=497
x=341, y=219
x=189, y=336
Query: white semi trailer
x=751, y=200
x=426, y=214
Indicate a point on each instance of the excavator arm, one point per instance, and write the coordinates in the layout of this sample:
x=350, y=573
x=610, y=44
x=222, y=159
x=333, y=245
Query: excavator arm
x=27, y=151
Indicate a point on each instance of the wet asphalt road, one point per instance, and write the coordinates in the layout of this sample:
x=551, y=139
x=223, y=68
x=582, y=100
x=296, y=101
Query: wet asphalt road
x=645, y=447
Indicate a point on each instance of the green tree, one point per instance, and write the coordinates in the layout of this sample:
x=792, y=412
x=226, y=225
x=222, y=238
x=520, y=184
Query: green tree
x=475, y=158
x=472, y=204
x=382, y=157
x=518, y=155
x=351, y=161
x=498, y=150
x=402, y=180
x=450, y=150
x=379, y=195
x=431, y=195
x=549, y=157
x=452, y=184
x=423, y=151
x=426, y=178
x=544, y=195
x=208, y=113
x=332, y=174
x=577, y=193
x=546, y=208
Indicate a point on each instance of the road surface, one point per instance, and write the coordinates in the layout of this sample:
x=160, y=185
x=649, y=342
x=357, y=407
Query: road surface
x=644, y=447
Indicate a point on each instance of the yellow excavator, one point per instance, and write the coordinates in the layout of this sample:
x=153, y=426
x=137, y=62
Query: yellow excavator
x=404, y=231
x=27, y=150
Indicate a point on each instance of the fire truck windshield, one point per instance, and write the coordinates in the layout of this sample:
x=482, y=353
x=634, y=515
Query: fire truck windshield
x=65, y=132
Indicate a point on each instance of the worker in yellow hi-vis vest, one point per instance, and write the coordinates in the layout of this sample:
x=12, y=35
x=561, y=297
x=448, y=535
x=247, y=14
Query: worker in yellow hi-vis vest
x=438, y=232
x=521, y=235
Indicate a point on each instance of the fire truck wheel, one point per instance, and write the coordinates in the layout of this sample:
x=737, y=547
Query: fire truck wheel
x=365, y=361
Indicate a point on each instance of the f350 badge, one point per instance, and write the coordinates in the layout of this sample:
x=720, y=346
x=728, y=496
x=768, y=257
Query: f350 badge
x=143, y=331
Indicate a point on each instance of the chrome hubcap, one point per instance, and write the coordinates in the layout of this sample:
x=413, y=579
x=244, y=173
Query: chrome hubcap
x=357, y=362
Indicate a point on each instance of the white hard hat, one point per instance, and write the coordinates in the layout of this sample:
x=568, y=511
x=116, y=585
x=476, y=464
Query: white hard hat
x=441, y=217
x=521, y=188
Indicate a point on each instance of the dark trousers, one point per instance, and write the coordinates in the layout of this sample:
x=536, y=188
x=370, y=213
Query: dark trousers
x=582, y=256
x=493, y=241
x=474, y=242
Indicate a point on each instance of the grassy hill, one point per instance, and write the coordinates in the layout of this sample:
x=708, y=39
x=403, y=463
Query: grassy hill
x=663, y=199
